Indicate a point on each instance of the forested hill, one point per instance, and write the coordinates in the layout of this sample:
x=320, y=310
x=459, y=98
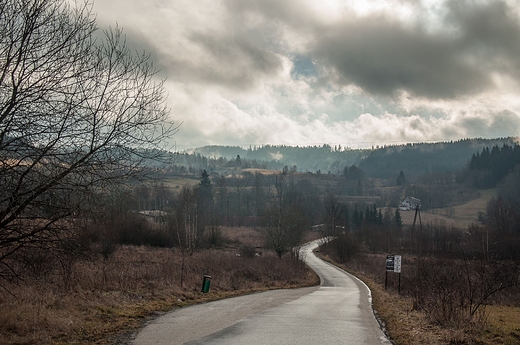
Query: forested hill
x=488, y=168
x=386, y=162
x=311, y=158
x=425, y=158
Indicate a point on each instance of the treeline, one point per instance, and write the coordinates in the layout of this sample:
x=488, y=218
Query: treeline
x=415, y=159
x=324, y=158
x=424, y=158
x=489, y=167
x=284, y=205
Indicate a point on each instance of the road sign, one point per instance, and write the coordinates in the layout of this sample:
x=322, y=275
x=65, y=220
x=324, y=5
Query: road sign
x=390, y=262
x=393, y=264
x=397, y=263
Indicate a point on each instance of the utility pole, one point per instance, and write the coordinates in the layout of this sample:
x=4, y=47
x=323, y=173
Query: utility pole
x=417, y=212
x=227, y=214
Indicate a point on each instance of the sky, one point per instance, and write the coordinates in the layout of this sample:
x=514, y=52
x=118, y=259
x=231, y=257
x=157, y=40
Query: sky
x=339, y=72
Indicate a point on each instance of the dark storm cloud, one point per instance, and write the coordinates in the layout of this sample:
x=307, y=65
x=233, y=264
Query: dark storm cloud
x=237, y=60
x=383, y=55
x=354, y=72
x=215, y=47
x=233, y=61
x=490, y=32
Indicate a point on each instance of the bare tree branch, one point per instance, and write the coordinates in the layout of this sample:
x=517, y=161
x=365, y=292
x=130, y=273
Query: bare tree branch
x=77, y=113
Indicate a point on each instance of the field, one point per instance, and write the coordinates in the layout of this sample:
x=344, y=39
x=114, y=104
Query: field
x=407, y=325
x=498, y=322
x=178, y=182
x=98, y=301
x=103, y=301
x=459, y=216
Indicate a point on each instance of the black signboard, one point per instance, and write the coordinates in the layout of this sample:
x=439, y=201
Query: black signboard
x=390, y=261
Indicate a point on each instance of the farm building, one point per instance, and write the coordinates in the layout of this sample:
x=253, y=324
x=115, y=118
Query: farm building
x=409, y=203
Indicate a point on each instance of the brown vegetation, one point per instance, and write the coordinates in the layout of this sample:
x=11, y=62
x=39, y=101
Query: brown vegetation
x=100, y=299
x=432, y=321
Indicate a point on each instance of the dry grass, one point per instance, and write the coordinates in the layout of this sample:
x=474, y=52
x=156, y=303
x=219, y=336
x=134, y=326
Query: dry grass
x=179, y=182
x=470, y=210
x=240, y=236
x=261, y=171
x=408, y=326
x=459, y=216
x=503, y=325
x=104, y=299
x=426, y=217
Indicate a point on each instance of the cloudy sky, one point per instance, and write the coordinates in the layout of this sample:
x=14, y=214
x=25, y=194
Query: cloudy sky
x=307, y=72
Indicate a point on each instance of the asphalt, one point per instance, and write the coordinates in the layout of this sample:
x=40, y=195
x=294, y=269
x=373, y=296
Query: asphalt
x=339, y=311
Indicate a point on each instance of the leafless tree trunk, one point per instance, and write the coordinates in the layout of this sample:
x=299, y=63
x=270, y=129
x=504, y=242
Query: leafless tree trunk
x=239, y=186
x=285, y=220
x=76, y=115
x=189, y=215
x=332, y=213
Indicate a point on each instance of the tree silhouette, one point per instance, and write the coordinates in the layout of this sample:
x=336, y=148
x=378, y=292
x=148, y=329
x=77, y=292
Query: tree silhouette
x=79, y=112
x=401, y=179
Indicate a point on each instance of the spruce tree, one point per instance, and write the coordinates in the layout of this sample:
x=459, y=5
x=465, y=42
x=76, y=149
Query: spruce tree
x=398, y=220
x=205, y=198
x=401, y=179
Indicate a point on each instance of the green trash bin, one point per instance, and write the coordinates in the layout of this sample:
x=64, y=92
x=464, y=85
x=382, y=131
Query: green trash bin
x=205, y=284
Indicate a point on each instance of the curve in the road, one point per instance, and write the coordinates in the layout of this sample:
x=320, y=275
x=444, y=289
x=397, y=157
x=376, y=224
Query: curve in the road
x=339, y=311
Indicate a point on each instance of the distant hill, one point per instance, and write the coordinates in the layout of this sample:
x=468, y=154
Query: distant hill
x=386, y=162
x=306, y=159
x=425, y=158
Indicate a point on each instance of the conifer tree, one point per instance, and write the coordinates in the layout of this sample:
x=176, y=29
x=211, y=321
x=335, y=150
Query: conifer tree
x=398, y=220
x=401, y=179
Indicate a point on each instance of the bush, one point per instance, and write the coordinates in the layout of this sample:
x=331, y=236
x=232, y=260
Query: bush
x=214, y=237
x=247, y=251
x=454, y=292
x=341, y=248
x=135, y=229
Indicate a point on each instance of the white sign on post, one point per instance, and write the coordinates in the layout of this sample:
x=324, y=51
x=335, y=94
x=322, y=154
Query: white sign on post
x=397, y=263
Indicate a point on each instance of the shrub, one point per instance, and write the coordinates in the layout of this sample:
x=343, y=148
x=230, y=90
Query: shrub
x=341, y=248
x=454, y=292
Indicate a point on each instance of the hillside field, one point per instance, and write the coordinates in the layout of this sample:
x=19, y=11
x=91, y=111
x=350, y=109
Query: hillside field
x=459, y=216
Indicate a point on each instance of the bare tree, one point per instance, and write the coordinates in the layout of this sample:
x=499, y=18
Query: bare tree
x=222, y=195
x=239, y=184
x=185, y=224
x=286, y=222
x=78, y=112
x=333, y=213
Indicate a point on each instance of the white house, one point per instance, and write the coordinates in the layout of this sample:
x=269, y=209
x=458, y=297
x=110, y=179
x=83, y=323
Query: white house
x=409, y=203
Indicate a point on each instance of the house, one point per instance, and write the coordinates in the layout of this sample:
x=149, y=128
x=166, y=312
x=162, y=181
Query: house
x=409, y=203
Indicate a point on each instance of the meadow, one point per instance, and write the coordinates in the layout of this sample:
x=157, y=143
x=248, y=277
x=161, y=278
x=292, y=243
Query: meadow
x=98, y=301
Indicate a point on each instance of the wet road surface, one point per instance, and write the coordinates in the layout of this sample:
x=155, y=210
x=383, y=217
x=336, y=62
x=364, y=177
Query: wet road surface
x=337, y=312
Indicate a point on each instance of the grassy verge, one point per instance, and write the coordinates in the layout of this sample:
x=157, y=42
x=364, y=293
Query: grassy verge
x=503, y=325
x=99, y=300
x=406, y=325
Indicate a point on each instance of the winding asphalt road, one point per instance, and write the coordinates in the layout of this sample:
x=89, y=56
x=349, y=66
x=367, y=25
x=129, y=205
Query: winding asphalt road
x=339, y=311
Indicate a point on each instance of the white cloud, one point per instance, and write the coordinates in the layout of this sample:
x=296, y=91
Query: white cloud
x=355, y=73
